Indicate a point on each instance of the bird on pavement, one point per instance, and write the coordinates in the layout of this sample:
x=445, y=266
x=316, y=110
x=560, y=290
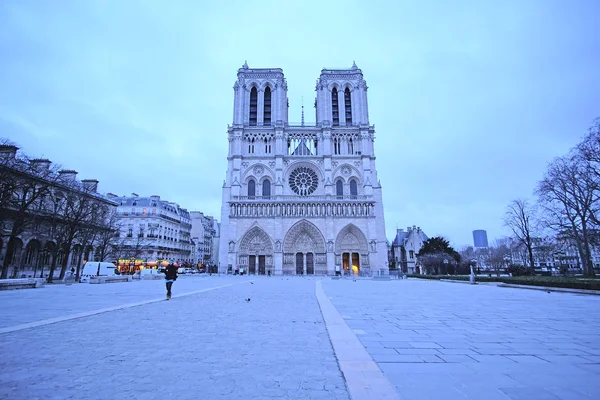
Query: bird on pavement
x=248, y=300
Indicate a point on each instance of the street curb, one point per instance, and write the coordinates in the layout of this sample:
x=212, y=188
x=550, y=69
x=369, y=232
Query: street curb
x=364, y=379
x=102, y=310
x=551, y=289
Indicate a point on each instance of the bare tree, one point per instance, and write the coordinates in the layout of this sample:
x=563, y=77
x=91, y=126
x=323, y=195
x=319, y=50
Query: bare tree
x=568, y=194
x=589, y=153
x=519, y=218
x=23, y=190
x=107, y=240
x=498, y=255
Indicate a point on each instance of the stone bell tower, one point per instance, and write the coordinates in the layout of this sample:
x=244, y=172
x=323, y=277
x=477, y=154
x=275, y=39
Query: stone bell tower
x=259, y=97
x=301, y=199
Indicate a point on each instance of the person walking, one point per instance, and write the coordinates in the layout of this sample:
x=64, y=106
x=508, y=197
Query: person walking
x=170, y=276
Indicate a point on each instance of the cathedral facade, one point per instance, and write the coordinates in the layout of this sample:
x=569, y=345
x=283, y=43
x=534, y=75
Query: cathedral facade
x=302, y=199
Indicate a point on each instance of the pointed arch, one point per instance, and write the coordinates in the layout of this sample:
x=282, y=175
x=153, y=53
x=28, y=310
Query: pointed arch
x=253, y=106
x=304, y=250
x=348, y=106
x=335, y=109
x=353, y=188
x=351, y=238
x=255, y=240
x=339, y=188
x=351, y=250
x=267, y=107
x=255, y=253
x=266, y=189
x=251, y=188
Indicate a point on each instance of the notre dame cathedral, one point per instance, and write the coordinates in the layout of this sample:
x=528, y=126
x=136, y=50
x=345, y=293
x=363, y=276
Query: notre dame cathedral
x=302, y=199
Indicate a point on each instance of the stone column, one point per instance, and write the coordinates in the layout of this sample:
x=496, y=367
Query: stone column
x=304, y=263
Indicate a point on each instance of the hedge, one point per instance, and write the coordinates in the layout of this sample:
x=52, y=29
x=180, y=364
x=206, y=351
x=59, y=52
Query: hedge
x=549, y=281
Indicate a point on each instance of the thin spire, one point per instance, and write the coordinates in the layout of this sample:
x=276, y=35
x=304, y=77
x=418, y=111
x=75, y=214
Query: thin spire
x=302, y=110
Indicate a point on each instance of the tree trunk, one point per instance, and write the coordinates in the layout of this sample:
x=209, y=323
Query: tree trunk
x=530, y=253
x=589, y=270
x=52, y=268
x=10, y=250
x=78, y=266
x=65, y=263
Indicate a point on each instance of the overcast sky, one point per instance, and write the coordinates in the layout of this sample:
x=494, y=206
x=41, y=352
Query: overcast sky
x=470, y=99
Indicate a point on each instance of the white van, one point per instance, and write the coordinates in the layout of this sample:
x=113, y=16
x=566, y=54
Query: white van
x=95, y=268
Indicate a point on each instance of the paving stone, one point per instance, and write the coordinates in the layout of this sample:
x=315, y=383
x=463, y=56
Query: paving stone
x=493, y=337
x=212, y=345
x=520, y=393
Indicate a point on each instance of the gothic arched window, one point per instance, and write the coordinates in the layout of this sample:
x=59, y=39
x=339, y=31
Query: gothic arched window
x=335, y=110
x=267, y=107
x=353, y=189
x=253, y=105
x=348, y=106
x=251, y=188
x=266, y=189
x=339, y=189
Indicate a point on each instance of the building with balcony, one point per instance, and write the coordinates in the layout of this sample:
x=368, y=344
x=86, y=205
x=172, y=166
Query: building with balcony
x=302, y=198
x=153, y=230
x=204, y=234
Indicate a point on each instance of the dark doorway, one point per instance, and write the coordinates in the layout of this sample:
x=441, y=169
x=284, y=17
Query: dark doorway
x=261, y=265
x=310, y=264
x=251, y=264
x=299, y=264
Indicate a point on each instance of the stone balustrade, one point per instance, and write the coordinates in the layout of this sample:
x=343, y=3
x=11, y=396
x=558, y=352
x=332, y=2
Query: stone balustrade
x=317, y=209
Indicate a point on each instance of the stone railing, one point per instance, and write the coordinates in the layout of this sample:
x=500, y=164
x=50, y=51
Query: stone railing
x=295, y=198
x=316, y=209
x=22, y=283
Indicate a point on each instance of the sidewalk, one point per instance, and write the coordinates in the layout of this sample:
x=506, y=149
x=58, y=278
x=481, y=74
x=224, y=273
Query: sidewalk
x=439, y=341
x=211, y=345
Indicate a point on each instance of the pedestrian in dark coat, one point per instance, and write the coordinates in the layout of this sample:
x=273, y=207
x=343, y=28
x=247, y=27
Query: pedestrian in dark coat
x=170, y=276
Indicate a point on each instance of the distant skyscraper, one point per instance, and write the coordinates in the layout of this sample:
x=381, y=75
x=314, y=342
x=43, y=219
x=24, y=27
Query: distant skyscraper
x=480, y=238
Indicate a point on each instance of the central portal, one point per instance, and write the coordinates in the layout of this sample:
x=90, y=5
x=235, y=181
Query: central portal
x=304, y=250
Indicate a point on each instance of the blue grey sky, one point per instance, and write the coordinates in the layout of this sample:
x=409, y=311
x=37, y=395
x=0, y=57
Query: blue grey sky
x=470, y=99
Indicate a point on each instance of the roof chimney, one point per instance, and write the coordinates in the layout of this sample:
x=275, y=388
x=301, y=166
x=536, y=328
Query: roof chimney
x=8, y=151
x=68, y=175
x=90, y=185
x=40, y=164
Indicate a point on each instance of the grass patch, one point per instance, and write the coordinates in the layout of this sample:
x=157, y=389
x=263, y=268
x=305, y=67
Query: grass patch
x=548, y=281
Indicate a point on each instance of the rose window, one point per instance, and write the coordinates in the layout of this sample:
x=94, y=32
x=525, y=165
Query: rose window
x=303, y=181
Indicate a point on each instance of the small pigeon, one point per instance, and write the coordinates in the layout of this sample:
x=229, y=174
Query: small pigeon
x=547, y=291
x=248, y=300
x=252, y=283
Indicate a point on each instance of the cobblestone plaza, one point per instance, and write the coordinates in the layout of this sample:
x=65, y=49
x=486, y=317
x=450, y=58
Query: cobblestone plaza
x=298, y=338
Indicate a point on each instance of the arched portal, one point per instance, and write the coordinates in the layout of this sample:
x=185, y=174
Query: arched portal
x=304, y=250
x=255, y=254
x=351, y=250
